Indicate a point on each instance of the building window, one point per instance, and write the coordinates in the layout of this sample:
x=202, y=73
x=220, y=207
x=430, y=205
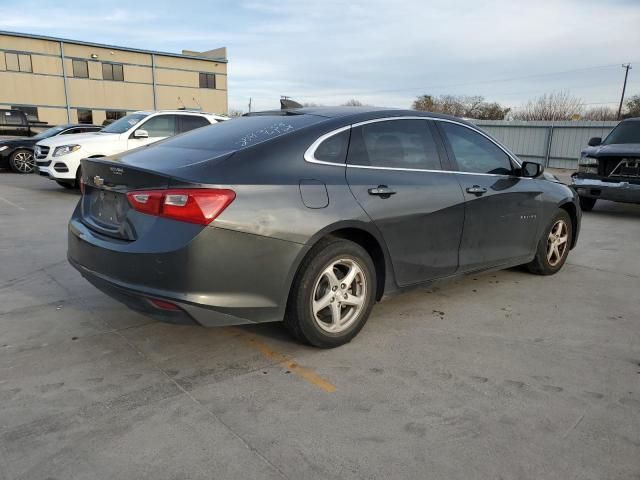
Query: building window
x=207, y=80
x=115, y=114
x=85, y=116
x=31, y=112
x=112, y=71
x=18, y=62
x=80, y=68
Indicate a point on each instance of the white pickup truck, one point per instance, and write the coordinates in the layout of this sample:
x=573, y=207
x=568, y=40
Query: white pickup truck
x=58, y=158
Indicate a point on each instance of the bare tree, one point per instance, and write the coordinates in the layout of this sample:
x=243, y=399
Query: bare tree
x=600, y=114
x=352, y=103
x=633, y=107
x=470, y=106
x=551, y=106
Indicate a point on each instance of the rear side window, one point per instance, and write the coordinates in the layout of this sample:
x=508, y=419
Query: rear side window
x=394, y=144
x=191, y=122
x=334, y=148
x=475, y=153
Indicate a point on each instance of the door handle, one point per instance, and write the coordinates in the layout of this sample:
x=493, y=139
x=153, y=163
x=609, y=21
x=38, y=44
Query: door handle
x=477, y=190
x=382, y=191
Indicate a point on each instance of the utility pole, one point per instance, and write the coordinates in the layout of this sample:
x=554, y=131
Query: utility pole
x=249, y=104
x=627, y=67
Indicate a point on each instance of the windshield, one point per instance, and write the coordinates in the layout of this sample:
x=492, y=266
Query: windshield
x=49, y=132
x=125, y=123
x=625, y=132
x=242, y=132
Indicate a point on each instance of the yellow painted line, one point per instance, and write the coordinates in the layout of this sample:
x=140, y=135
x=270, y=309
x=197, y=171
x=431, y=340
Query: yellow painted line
x=285, y=361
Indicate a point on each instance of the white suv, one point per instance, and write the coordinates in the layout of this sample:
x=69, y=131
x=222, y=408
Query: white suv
x=58, y=158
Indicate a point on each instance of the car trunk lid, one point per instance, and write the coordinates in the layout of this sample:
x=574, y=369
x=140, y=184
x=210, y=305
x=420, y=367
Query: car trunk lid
x=105, y=207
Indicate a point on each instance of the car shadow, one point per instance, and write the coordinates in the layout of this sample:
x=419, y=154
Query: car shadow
x=613, y=209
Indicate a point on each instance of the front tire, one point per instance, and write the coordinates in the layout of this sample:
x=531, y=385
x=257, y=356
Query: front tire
x=587, y=204
x=332, y=295
x=553, y=247
x=22, y=161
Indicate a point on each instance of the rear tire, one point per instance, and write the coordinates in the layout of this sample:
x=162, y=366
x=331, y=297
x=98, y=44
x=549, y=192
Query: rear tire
x=332, y=295
x=553, y=247
x=587, y=204
x=22, y=161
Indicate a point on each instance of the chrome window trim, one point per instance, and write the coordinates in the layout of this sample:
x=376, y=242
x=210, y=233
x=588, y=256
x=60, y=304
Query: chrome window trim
x=309, y=154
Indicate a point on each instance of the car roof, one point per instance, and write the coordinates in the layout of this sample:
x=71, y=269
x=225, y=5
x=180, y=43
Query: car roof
x=83, y=125
x=359, y=113
x=634, y=119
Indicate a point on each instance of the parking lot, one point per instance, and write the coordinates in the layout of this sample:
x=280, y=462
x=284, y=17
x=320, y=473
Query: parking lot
x=505, y=375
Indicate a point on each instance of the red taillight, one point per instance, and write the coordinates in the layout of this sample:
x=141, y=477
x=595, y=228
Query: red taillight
x=193, y=205
x=163, y=304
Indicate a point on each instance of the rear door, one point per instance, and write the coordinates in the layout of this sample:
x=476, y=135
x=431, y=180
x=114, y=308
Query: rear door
x=502, y=210
x=158, y=127
x=395, y=171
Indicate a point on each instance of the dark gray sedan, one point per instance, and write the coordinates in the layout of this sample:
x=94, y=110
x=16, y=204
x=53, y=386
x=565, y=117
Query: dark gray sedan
x=310, y=216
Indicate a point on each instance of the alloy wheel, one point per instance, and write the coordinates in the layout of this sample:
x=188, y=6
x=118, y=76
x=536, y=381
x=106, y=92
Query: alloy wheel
x=557, y=242
x=339, y=295
x=24, y=162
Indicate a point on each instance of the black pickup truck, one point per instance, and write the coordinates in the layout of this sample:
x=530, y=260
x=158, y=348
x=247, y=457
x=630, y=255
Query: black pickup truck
x=14, y=123
x=610, y=169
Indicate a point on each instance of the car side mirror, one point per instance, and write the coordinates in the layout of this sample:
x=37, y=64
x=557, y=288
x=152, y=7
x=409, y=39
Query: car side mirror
x=595, y=141
x=140, y=134
x=531, y=169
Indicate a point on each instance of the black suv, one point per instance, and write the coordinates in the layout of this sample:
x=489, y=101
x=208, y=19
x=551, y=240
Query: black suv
x=17, y=152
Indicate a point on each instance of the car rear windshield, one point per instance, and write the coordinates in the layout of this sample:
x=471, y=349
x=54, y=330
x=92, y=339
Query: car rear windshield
x=49, y=132
x=625, y=132
x=125, y=123
x=242, y=132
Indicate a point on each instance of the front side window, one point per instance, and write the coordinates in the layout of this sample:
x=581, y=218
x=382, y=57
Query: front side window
x=112, y=71
x=80, y=68
x=207, y=80
x=394, y=144
x=160, y=126
x=475, y=153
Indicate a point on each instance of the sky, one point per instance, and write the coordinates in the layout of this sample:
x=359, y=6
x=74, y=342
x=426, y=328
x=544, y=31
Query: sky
x=379, y=52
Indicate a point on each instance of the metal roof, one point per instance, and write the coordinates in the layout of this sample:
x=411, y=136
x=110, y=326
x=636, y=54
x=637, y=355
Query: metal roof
x=113, y=47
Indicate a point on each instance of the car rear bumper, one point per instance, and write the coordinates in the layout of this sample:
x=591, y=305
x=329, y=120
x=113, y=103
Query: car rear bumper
x=606, y=189
x=221, y=277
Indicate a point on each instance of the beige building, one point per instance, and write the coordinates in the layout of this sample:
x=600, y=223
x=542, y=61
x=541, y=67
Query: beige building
x=69, y=81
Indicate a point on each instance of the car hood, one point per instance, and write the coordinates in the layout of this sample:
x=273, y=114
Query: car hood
x=79, y=139
x=613, y=150
x=16, y=141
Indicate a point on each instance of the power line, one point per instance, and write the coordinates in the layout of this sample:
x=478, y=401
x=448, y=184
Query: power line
x=450, y=85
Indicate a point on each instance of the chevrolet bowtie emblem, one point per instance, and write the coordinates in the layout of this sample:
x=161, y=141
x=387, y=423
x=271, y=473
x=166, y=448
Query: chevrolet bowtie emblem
x=98, y=180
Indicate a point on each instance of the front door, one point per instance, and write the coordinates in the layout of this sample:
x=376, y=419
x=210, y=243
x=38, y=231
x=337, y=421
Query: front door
x=502, y=210
x=395, y=172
